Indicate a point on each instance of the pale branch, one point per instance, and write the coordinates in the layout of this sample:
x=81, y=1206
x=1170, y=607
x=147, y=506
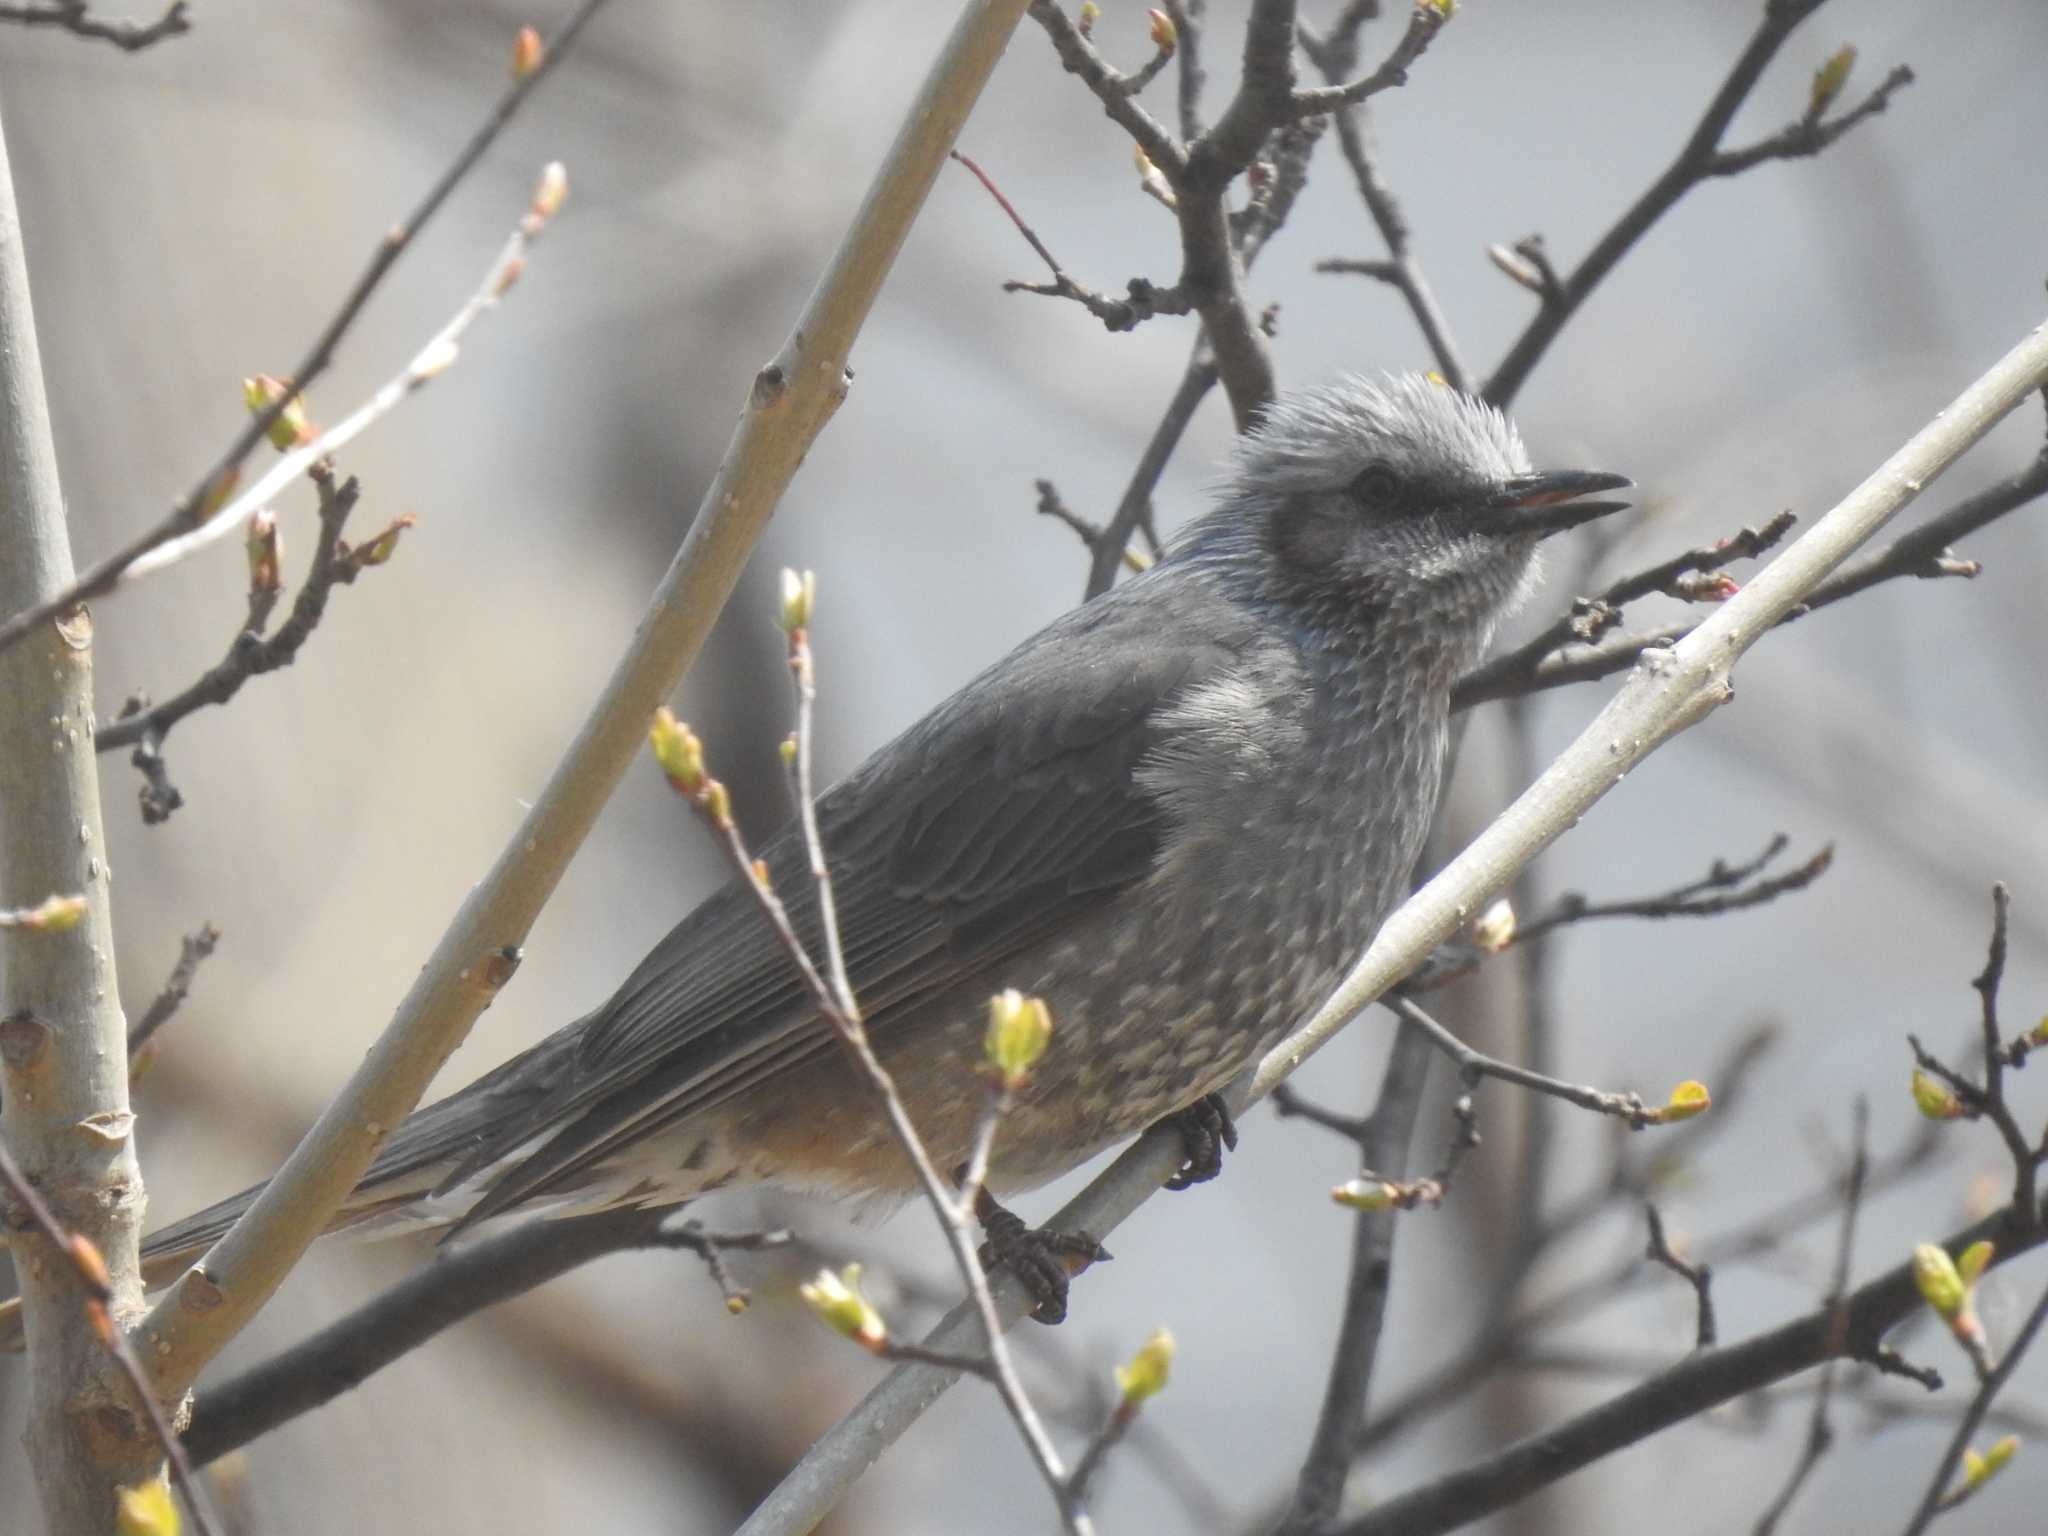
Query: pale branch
x=461, y=1282
x=76, y=17
x=89, y=1272
x=791, y=400
x=832, y=997
x=63, y=1058
x=1922, y=553
x=440, y=353
x=218, y=482
x=1701, y=159
x=1677, y=689
x=193, y=951
x=1589, y=619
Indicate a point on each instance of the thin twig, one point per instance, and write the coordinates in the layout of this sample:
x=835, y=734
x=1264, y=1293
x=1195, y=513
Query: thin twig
x=1473, y=1065
x=1922, y=553
x=1820, y=1431
x=792, y=398
x=75, y=17
x=429, y=363
x=832, y=992
x=1326, y=1468
x=1700, y=159
x=1697, y=1275
x=193, y=951
x=1721, y=890
x=217, y=482
x=1937, y=1495
x=1424, y=22
x=250, y=653
x=85, y=1262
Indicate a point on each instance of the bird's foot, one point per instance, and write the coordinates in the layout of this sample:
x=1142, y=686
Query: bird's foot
x=1045, y=1261
x=1206, y=1131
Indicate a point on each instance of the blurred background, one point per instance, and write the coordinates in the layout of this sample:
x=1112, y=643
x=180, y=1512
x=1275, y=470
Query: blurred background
x=194, y=213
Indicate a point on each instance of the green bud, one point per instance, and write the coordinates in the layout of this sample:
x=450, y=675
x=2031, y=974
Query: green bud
x=1145, y=1377
x=1019, y=1028
x=837, y=1301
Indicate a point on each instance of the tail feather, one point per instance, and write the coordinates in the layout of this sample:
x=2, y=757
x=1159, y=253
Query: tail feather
x=426, y=1145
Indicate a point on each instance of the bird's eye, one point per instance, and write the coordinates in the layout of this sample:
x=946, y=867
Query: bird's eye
x=1377, y=487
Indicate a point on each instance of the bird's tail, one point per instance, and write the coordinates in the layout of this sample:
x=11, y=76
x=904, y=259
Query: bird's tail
x=426, y=1145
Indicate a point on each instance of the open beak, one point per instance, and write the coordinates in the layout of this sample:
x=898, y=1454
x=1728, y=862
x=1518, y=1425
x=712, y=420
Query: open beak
x=1548, y=502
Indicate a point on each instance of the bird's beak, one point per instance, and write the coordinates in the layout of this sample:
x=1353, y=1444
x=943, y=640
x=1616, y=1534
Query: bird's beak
x=1548, y=502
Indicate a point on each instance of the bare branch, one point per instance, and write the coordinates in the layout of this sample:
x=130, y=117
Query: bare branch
x=1384, y=1144
x=1701, y=159
x=193, y=951
x=1820, y=1432
x=1424, y=22
x=792, y=399
x=214, y=486
x=461, y=1282
x=250, y=654
x=1937, y=1498
x=83, y=1260
x=75, y=17
x=1922, y=553
x=1699, y=1276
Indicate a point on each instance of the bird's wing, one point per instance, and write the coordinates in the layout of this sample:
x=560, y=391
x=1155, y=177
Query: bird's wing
x=1009, y=812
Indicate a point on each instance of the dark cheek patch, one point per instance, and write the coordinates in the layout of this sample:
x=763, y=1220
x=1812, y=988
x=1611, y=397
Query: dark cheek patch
x=1308, y=539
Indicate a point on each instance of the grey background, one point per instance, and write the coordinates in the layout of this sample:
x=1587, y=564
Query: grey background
x=193, y=214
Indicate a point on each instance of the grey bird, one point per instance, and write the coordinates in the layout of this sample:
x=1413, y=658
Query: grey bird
x=1175, y=814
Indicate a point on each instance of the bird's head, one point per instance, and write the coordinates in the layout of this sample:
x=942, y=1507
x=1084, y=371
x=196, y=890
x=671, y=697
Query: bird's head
x=1399, y=498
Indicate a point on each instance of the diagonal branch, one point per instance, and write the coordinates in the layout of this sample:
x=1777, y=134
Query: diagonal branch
x=792, y=399
x=1702, y=159
x=214, y=486
x=1681, y=688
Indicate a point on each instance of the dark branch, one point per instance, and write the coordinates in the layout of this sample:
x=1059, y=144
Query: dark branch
x=1820, y=1431
x=1705, y=1380
x=214, y=484
x=1319, y=1490
x=1473, y=1065
x=1699, y=1276
x=1922, y=553
x=1590, y=618
x=1937, y=1498
x=458, y=1284
x=1724, y=888
x=1700, y=160
x=1424, y=22
x=250, y=654
x=75, y=16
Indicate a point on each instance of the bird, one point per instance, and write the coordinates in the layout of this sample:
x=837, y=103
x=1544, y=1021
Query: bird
x=1175, y=814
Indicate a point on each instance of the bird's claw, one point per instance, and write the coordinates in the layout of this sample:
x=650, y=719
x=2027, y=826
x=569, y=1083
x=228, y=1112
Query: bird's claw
x=1045, y=1261
x=1206, y=1132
